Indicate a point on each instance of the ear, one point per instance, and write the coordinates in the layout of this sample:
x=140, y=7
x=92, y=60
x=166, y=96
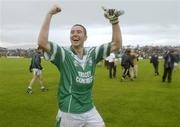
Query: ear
x=85, y=38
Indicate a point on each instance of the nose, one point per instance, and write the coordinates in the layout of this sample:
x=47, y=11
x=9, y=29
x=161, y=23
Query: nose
x=75, y=34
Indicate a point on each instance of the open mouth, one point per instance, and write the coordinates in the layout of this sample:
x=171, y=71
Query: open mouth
x=75, y=38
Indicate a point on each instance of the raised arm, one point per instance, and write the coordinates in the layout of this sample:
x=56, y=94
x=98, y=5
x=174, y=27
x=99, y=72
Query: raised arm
x=112, y=15
x=44, y=32
x=116, y=38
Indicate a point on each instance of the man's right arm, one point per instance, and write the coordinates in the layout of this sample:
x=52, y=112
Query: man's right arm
x=44, y=32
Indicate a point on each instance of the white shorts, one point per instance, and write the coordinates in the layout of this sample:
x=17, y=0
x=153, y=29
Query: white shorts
x=36, y=72
x=88, y=119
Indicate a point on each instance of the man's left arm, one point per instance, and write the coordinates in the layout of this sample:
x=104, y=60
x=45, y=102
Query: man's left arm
x=116, y=38
x=104, y=50
x=112, y=15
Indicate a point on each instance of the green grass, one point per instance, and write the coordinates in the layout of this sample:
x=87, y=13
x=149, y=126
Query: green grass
x=146, y=102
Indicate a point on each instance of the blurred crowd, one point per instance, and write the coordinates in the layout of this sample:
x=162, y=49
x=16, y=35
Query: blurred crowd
x=16, y=52
x=143, y=52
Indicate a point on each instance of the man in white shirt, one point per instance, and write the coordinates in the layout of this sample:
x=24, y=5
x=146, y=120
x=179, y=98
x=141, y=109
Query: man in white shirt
x=112, y=66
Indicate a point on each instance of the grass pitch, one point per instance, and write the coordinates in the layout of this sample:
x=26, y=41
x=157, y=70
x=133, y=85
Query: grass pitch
x=145, y=102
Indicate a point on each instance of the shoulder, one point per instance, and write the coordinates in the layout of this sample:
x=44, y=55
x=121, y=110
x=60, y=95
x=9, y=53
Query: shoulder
x=89, y=50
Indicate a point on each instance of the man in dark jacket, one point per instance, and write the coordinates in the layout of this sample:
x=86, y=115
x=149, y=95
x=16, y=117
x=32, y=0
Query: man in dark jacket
x=155, y=61
x=126, y=63
x=36, y=68
x=169, y=59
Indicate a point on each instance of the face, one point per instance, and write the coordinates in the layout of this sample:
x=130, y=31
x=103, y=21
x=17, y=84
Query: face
x=77, y=36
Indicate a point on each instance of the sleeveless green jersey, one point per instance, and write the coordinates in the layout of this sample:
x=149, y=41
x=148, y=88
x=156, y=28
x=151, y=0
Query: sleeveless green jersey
x=77, y=75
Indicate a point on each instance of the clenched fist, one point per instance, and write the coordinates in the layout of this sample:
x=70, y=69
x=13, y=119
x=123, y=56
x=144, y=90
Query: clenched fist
x=55, y=9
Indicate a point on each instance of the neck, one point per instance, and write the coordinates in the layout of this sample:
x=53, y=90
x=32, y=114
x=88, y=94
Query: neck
x=79, y=51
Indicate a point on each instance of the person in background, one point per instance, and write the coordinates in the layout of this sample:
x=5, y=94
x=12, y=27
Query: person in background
x=169, y=60
x=112, y=66
x=126, y=63
x=36, y=68
x=134, y=66
x=155, y=61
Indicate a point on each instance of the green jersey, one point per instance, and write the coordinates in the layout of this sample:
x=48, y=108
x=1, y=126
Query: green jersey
x=77, y=75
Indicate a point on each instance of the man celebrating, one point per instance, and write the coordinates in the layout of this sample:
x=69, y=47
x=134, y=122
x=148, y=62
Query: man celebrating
x=76, y=65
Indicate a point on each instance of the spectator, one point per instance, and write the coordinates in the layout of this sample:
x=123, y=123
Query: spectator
x=112, y=65
x=126, y=63
x=155, y=61
x=169, y=59
x=36, y=68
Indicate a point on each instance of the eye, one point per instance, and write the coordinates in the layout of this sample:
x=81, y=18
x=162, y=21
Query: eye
x=72, y=31
x=79, y=31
